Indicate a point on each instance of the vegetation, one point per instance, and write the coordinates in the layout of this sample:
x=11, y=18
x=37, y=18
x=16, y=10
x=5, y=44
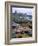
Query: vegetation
x=24, y=27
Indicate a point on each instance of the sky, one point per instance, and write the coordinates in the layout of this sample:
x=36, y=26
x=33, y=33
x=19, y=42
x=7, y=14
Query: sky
x=22, y=10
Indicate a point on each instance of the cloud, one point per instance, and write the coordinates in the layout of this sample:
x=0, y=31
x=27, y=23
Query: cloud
x=22, y=10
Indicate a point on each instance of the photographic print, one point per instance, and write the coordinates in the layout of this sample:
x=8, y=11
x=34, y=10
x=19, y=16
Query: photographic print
x=21, y=22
